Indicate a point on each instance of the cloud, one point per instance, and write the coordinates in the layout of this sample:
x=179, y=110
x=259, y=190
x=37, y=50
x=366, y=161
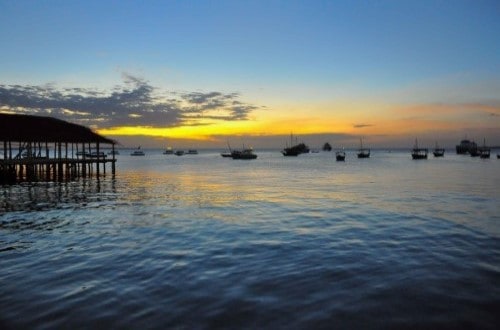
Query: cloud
x=361, y=125
x=136, y=103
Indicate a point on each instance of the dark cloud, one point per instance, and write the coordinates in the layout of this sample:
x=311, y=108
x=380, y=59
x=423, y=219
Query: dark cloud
x=361, y=125
x=135, y=103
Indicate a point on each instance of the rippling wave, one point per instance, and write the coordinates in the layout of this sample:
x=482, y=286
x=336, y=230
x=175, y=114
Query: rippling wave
x=206, y=242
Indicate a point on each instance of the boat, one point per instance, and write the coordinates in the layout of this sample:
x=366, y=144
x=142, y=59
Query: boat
x=418, y=153
x=243, y=154
x=295, y=150
x=137, y=152
x=498, y=156
x=363, y=152
x=113, y=152
x=168, y=151
x=466, y=147
x=96, y=154
x=179, y=152
x=192, y=152
x=340, y=155
x=484, y=151
x=438, y=152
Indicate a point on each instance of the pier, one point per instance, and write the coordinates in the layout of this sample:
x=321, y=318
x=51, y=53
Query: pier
x=35, y=148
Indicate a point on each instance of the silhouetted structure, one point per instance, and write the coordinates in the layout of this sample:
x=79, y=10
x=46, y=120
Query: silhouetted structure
x=27, y=140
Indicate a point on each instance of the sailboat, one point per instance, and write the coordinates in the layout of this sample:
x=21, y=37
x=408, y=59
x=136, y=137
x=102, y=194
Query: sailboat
x=418, y=153
x=295, y=150
x=363, y=152
x=484, y=151
x=438, y=152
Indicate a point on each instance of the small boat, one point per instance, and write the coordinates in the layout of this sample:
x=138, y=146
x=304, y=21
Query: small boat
x=168, y=151
x=418, y=153
x=484, y=151
x=137, y=152
x=192, y=152
x=498, y=156
x=179, y=152
x=363, y=152
x=96, y=154
x=113, y=152
x=243, y=154
x=438, y=152
x=340, y=155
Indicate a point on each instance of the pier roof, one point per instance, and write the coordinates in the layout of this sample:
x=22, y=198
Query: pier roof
x=25, y=128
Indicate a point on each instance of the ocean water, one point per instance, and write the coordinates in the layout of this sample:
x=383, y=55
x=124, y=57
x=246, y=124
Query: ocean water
x=202, y=242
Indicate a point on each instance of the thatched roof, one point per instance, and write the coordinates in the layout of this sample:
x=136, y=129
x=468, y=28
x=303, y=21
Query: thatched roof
x=24, y=128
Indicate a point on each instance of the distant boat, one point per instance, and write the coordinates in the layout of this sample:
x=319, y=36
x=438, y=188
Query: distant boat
x=295, y=150
x=466, y=147
x=243, y=154
x=168, y=151
x=418, y=153
x=113, y=152
x=438, y=152
x=498, y=156
x=363, y=152
x=340, y=155
x=179, y=152
x=137, y=152
x=192, y=152
x=484, y=151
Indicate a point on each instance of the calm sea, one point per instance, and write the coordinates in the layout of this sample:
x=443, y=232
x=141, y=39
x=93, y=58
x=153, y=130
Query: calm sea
x=201, y=241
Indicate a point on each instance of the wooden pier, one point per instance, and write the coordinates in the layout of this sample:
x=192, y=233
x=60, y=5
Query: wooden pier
x=47, y=149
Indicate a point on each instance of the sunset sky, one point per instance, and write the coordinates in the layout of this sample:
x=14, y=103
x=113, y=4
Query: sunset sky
x=200, y=73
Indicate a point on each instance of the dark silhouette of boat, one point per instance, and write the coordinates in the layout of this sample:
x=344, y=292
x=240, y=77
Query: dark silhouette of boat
x=295, y=150
x=484, y=151
x=438, y=152
x=419, y=153
x=327, y=147
x=340, y=155
x=467, y=147
x=498, y=156
x=363, y=152
x=137, y=152
x=243, y=154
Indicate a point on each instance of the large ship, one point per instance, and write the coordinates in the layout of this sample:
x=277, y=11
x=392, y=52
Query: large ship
x=466, y=147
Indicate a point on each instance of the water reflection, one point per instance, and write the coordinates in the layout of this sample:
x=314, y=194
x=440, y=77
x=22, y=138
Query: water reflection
x=40, y=196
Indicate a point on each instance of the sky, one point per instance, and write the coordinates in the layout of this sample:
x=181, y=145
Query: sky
x=203, y=73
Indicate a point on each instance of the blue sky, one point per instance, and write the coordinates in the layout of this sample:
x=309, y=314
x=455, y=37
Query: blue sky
x=274, y=54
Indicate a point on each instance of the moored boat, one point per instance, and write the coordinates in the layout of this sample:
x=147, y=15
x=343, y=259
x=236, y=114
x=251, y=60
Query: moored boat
x=466, y=147
x=438, y=152
x=484, y=151
x=340, y=155
x=419, y=153
x=168, y=151
x=192, y=152
x=363, y=152
x=179, y=152
x=138, y=152
x=295, y=150
x=243, y=154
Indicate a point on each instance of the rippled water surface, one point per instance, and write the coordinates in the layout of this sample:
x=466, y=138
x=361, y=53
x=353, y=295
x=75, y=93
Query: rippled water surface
x=201, y=241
